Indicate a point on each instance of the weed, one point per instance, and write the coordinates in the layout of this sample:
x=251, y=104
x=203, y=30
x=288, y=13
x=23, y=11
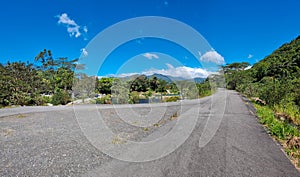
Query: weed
x=118, y=140
x=287, y=134
x=21, y=116
x=156, y=125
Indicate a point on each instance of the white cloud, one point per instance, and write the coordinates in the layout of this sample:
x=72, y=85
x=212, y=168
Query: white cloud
x=85, y=29
x=250, y=56
x=150, y=56
x=182, y=72
x=170, y=66
x=84, y=52
x=123, y=74
x=63, y=18
x=74, y=31
x=72, y=27
x=212, y=56
x=248, y=67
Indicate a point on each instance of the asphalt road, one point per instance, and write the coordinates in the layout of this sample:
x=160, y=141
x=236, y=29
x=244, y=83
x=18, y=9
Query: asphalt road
x=213, y=136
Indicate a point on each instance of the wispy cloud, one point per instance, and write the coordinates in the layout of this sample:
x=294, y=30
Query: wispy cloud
x=85, y=29
x=72, y=27
x=212, y=56
x=151, y=56
x=250, y=56
x=182, y=72
x=84, y=52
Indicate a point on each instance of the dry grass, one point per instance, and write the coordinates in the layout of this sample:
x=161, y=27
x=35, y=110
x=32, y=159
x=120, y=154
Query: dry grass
x=118, y=140
x=21, y=116
x=7, y=132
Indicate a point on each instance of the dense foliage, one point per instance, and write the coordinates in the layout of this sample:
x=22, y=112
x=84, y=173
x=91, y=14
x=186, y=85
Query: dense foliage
x=275, y=80
x=141, y=87
x=29, y=84
x=53, y=80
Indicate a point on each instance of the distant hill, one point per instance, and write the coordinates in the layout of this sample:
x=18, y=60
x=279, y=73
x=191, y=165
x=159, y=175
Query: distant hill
x=171, y=78
x=161, y=77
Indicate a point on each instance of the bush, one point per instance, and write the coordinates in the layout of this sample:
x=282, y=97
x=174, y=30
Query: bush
x=104, y=100
x=60, y=97
x=172, y=99
x=47, y=99
x=134, y=97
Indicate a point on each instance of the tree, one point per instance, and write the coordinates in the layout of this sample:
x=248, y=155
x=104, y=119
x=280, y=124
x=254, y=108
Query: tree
x=235, y=66
x=84, y=86
x=139, y=84
x=104, y=85
x=19, y=84
x=153, y=83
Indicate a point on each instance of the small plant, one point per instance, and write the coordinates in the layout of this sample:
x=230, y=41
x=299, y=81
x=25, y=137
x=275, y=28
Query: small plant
x=104, y=100
x=21, y=116
x=118, y=140
x=174, y=116
x=156, y=125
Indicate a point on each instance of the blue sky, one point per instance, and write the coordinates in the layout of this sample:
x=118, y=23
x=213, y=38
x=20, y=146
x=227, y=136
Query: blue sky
x=237, y=30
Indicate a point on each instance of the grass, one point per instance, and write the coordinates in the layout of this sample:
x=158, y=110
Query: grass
x=174, y=116
x=156, y=125
x=146, y=129
x=21, y=116
x=118, y=140
x=290, y=110
x=284, y=132
x=280, y=129
x=8, y=132
x=206, y=93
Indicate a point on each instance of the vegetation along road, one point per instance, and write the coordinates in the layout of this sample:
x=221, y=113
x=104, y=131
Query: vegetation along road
x=51, y=142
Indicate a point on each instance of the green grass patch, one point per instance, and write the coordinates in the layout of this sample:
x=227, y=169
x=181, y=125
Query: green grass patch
x=146, y=129
x=289, y=109
x=156, y=125
x=280, y=129
x=284, y=132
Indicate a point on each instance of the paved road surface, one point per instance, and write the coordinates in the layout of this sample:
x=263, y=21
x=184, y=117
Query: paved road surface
x=49, y=141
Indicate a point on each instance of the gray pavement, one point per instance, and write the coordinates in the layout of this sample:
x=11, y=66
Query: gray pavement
x=226, y=140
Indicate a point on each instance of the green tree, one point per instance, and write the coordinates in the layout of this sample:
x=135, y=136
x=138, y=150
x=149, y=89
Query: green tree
x=104, y=85
x=139, y=84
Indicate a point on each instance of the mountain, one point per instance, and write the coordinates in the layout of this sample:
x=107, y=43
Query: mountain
x=161, y=77
x=171, y=78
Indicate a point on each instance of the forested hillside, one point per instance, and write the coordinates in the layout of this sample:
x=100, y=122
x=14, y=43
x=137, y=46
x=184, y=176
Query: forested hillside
x=274, y=81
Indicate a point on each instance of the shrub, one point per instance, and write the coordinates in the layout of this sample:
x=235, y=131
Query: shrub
x=172, y=99
x=60, y=97
x=134, y=97
x=104, y=100
x=46, y=99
